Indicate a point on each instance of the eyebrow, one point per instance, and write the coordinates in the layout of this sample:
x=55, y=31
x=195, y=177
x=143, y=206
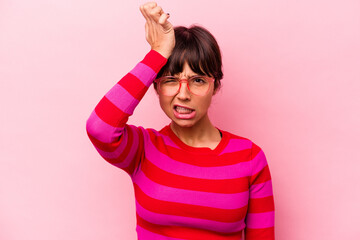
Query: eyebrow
x=195, y=75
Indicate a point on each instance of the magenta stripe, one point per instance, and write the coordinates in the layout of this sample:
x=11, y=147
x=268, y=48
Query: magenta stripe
x=133, y=150
x=165, y=219
x=147, y=235
x=167, y=140
x=259, y=162
x=101, y=130
x=260, y=220
x=170, y=194
x=235, y=145
x=122, y=99
x=167, y=164
x=261, y=190
x=144, y=73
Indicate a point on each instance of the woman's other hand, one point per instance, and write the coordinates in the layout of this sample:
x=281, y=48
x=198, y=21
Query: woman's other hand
x=159, y=31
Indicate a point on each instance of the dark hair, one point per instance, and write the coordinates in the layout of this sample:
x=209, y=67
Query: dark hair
x=198, y=47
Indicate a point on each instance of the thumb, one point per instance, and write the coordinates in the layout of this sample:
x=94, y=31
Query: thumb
x=163, y=21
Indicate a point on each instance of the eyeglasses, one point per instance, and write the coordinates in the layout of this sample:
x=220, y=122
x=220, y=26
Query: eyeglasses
x=197, y=85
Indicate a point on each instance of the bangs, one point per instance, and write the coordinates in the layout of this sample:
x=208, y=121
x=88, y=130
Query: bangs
x=190, y=55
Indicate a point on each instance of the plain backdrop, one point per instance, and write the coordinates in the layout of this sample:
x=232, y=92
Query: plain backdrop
x=291, y=85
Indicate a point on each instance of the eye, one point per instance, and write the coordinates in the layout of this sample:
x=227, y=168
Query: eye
x=198, y=80
x=168, y=80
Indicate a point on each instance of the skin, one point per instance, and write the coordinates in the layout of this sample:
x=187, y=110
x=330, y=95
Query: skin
x=197, y=131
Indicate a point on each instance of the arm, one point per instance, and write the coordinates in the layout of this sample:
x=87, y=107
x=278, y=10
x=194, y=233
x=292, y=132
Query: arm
x=118, y=143
x=260, y=217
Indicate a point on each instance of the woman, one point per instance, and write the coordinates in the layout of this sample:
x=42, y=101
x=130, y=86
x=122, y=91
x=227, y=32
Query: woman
x=191, y=180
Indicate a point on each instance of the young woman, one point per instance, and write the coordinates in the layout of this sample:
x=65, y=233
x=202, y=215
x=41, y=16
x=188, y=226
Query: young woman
x=191, y=180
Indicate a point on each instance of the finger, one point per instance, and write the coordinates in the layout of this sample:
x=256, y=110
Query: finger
x=146, y=9
x=155, y=13
x=143, y=12
x=163, y=18
x=151, y=4
x=163, y=21
x=157, y=10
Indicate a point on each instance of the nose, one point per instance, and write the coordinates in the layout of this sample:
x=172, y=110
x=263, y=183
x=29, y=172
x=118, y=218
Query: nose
x=184, y=92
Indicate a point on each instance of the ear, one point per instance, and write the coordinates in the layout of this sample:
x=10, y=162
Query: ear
x=155, y=88
x=216, y=90
x=156, y=91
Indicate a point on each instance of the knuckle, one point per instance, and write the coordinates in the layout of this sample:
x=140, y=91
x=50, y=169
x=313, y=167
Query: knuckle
x=150, y=5
x=155, y=11
x=146, y=6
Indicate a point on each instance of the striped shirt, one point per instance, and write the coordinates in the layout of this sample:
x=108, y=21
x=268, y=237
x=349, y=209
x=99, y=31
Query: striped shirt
x=182, y=192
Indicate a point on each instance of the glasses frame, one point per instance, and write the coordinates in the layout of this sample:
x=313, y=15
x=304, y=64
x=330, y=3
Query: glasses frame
x=181, y=80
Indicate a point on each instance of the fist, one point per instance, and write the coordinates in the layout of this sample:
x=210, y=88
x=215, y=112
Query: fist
x=158, y=30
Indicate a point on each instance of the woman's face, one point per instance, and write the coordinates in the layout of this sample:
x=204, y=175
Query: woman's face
x=186, y=109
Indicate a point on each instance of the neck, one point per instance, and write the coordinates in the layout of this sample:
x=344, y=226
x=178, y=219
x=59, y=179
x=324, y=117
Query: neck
x=202, y=134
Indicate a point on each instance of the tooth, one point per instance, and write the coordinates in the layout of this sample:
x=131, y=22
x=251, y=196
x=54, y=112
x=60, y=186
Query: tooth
x=183, y=110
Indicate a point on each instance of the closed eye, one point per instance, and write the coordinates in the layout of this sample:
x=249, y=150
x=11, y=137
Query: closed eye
x=169, y=80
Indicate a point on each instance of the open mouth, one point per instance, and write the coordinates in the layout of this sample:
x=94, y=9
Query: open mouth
x=183, y=110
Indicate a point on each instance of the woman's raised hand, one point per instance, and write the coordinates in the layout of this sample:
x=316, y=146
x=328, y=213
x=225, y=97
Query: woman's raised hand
x=159, y=31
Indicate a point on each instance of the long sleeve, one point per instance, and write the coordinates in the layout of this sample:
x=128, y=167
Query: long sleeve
x=118, y=143
x=260, y=216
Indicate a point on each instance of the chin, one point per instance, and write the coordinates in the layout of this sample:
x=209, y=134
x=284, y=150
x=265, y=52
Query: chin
x=184, y=124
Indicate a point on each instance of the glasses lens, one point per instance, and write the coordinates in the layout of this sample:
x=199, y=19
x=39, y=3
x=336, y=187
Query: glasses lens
x=169, y=85
x=199, y=85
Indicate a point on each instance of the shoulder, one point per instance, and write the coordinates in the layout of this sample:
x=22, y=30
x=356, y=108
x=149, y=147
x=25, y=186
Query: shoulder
x=241, y=141
x=158, y=136
x=237, y=138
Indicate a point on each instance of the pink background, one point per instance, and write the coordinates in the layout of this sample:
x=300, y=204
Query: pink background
x=292, y=71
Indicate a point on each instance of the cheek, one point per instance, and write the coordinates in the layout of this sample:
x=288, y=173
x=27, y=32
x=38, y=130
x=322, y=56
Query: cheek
x=208, y=103
x=209, y=98
x=164, y=103
x=204, y=104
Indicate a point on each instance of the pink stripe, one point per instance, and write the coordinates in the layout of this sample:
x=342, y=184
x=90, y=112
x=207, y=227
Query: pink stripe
x=147, y=235
x=260, y=220
x=259, y=162
x=101, y=130
x=165, y=219
x=144, y=73
x=167, y=164
x=215, y=200
x=122, y=99
x=235, y=145
x=261, y=190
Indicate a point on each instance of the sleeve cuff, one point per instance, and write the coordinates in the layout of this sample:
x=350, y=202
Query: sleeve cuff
x=154, y=60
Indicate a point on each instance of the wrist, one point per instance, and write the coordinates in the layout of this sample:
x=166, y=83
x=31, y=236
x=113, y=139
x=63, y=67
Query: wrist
x=165, y=53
